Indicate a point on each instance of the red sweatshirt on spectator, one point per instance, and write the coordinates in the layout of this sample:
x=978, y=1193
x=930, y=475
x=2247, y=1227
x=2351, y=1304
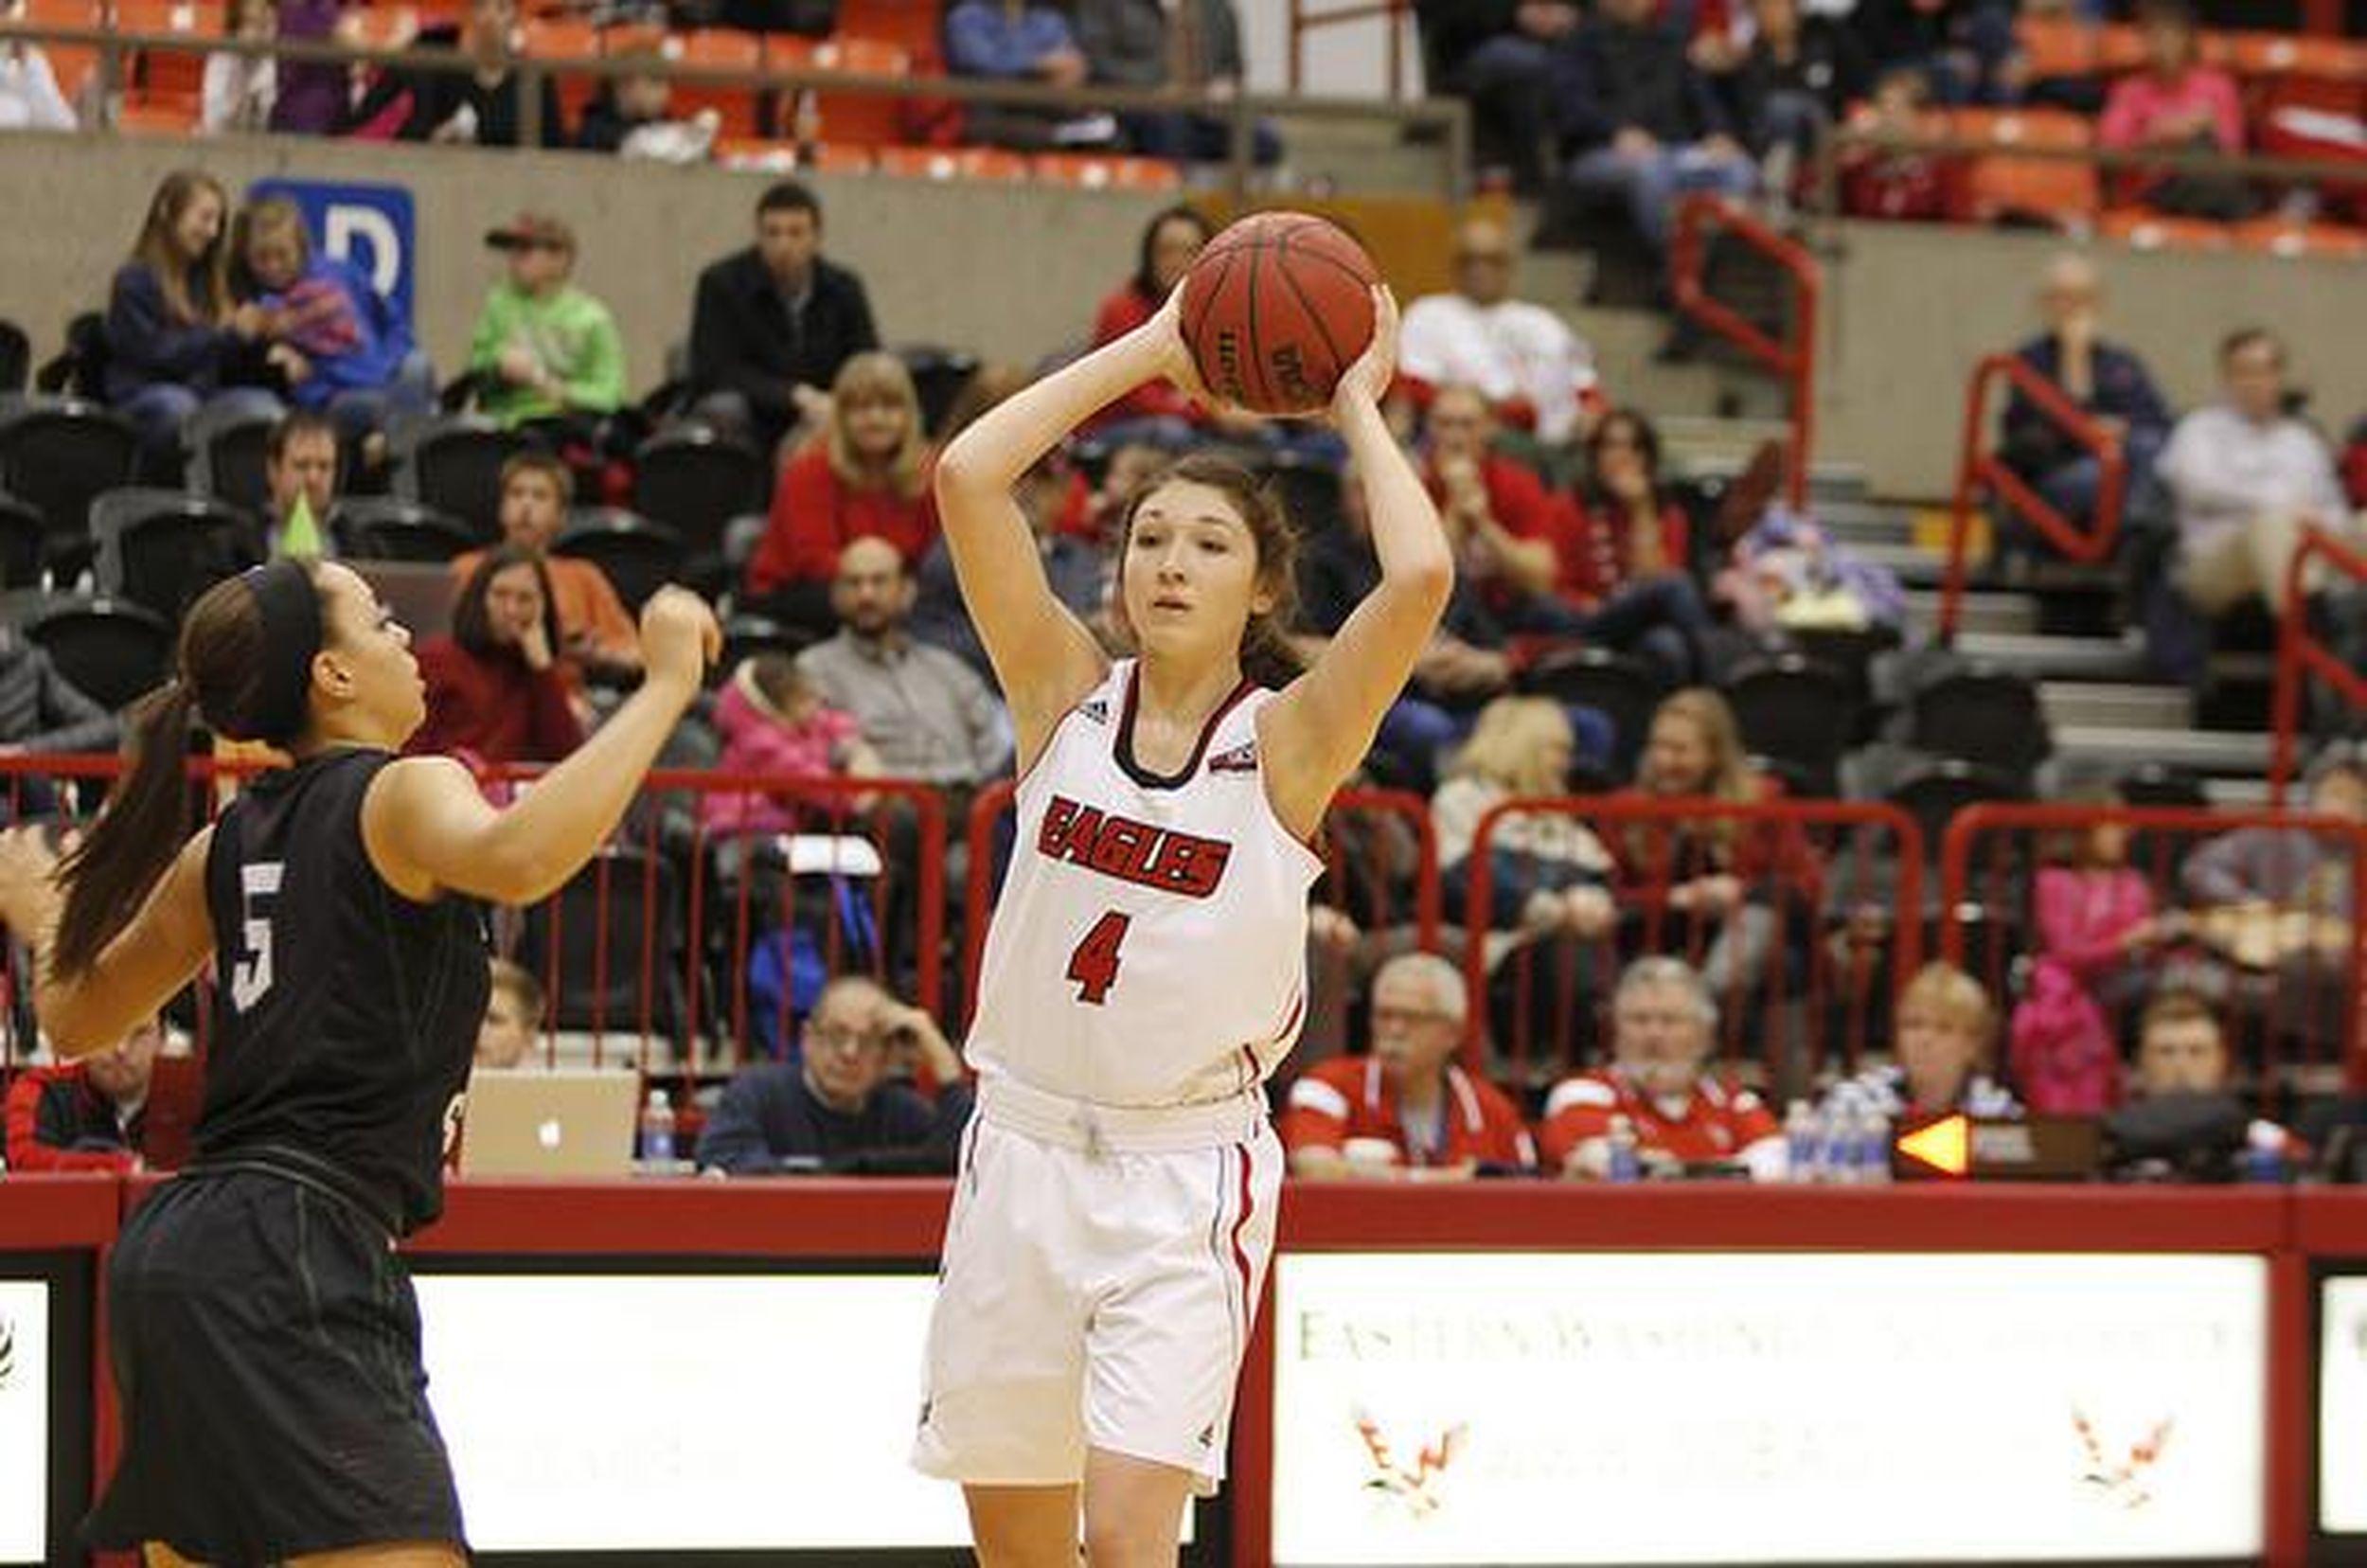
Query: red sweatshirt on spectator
x=1351, y=1097
x=57, y=1121
x=493, y=708
x=817, y=514
x=1120, y=315
x=1522, y=507
x=1596, y=561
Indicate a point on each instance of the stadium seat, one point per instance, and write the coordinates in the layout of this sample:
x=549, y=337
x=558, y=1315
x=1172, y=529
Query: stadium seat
x=968, y=165
x=939, y=376
x=557, y=40
x=1989, y=717
x=228, y=456
x=745, y=636
x=696, y=482
x=2057, y=46
x=164, y=79
x=1997, y=186
x=912, y=27
x=2273, y=235
x=1934, y=793
x=771, y=155
x=718, y=48
x=1619, y=688
x=2151, y=231
x=16, y=358
x=454, y=464
x=1095, y=173
x=172, y=118
x=2120, y=48
x=74, y=63
x=386, y=527
x=637, y=555
x=162, y=548
x=867, y=120
x=1800, y=717
x=111, y=649
x=22, y=535
x=380, y=26
x=56, y=457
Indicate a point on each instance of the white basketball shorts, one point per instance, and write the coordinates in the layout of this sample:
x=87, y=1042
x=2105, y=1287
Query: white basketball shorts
x=1093, y=1298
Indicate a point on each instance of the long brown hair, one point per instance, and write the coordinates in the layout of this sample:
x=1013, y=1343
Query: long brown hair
x=219, y=676
x=1267, y=654
x=1730, y=779
x=195, y=289
x=472, y=627
x=876, y=375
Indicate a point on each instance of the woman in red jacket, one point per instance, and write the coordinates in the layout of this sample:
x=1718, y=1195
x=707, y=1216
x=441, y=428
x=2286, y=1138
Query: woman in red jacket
x=1625, y=566
x=866, y=476
x=495, y=690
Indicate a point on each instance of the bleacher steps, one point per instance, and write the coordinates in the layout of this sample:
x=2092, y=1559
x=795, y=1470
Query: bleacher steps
x=2243, y=754
x=2042, y=658
x=2116, y=704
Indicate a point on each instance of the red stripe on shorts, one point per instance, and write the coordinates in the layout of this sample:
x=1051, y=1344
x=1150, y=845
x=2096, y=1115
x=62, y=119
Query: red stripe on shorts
x=1240, y=1259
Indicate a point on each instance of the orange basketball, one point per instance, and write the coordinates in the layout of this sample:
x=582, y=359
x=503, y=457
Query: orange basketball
x=1276, y=308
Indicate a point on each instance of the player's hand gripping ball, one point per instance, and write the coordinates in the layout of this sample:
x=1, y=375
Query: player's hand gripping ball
x=1275, y=309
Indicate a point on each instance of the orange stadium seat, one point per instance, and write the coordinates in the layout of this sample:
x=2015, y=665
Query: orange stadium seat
x=2149, y=231
x=913, y=26
x=164, y=117
x=1107, y=173
x=968, y=164
x=2119, y=49
x=560, y=38
x=381, y=26
x=772, y=156
x=861, y=118
x=2276, y=237
x=719, y=47
x=171, y=75
x=1997, y=186
x=73, y=62
x=2057, y=45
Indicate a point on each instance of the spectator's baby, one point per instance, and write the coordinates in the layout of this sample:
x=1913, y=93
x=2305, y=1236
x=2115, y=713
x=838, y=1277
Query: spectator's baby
x=341, y=347
x=774, y=720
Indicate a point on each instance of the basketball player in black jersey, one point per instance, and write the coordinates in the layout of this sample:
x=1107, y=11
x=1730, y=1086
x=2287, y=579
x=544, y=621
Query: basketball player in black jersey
x=264, y=1331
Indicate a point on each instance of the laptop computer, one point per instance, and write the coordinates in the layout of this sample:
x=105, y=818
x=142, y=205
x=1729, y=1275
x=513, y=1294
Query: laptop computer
x=418, y=592
x=572, y=1122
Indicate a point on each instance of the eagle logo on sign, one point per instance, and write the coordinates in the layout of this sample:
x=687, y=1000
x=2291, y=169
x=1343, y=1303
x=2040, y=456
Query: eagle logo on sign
x=1418, y=1485
x=2124, y=1477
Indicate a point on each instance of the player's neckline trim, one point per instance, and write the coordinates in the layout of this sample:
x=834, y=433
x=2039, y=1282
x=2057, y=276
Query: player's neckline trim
x=1125, y=749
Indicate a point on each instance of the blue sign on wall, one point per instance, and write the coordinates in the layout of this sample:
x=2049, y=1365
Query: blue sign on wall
x=369, y=225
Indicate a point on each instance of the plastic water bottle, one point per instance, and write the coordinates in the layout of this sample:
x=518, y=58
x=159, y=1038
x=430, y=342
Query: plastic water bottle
x=657, y=1133
x=1836, y=1136
x=2264, y=1154
x=1800, y=1141
x=1873, y=1140
x=1623, y=1164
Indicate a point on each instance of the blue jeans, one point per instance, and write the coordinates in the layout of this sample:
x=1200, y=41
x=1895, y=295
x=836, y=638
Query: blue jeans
x=2071, y=488
x=1507, y=82
x=1660, y=618
x=159, y=410
x=1649, y=183
x=363, y=411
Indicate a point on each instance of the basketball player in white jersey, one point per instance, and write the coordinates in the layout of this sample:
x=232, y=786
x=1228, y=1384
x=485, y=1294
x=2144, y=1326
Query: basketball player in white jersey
x=1145, y=970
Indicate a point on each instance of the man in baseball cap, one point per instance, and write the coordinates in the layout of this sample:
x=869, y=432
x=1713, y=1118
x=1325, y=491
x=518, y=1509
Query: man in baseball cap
x=543, y=350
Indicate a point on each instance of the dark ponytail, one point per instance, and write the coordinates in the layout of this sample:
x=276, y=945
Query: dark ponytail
x=109, y=875
x=245, y=670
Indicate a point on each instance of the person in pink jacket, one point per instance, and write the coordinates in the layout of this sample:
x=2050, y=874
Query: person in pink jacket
x=2177, y=102
x=2095, y=912
x=773, y=722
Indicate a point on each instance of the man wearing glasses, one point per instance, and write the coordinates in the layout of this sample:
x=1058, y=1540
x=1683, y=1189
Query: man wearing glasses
x=1534, y=372
x=1405, y=1111
x=847, y=1101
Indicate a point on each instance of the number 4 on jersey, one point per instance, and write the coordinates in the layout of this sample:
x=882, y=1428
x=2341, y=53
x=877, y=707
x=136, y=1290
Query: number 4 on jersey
x=1094, y=964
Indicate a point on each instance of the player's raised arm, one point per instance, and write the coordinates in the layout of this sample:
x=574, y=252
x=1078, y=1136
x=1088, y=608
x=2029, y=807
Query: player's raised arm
x=1043, y=656
x=1316, y=732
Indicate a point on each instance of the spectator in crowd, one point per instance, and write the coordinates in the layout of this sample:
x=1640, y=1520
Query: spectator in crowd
x=1965, y=49
x=1625, y=562
x=513, y=1014
x=301, y=464
x=1943, y=1038
x=336, y=341
x=927, y=714
x=543, y=350
x=1016, y=41
x=1664, y=1024
x=1710, y=879
x=840, y=1105
x=1498, y=56
x=236, y=92
x=1797, y=81
x=1523, y=358
x=1405, y=1109
x=1548, y=872
x=632, y=117
x=1170, y=43
x=29, y=98
x=312, y=97
x=2179, y=104
x=1076, y=567
x=597, y=640
x=2095, y=912
x=2107, y=380
x=1639, y=123
x=495, y=691
x=175, y=340
x=2245, y=477
x=865, y=476
x=1896, y=173
x=1161, y=414
x=772, y=325
x=84, y=1114
x=773, y=723
x=481, y=104
x=1504, y=523
x=2187, y=1123
x=42, y=714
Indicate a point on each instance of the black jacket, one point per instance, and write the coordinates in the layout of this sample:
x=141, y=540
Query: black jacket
x=1608, y=77
x=743, y=340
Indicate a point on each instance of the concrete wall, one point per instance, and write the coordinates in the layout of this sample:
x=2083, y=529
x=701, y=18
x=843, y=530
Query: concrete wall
x=1910, y=311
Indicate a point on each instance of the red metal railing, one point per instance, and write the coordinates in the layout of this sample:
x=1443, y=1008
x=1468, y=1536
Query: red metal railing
x=1829, y=880
x=1306, y=19
x=1381, y=871
x=2301, y=654
x=1791, y=358
x=2284, y=974
x=1979, y=469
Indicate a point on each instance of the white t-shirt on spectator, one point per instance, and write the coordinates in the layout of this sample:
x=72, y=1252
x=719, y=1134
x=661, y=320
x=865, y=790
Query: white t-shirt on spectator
x=1509, y=350
x=29, y=100
x=2223, y=470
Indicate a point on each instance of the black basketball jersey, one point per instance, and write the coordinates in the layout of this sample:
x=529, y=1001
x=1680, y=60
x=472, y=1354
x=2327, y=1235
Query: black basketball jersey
x=345, y=1014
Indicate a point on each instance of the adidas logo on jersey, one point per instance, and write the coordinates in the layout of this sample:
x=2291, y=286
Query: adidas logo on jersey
x=1242, y=758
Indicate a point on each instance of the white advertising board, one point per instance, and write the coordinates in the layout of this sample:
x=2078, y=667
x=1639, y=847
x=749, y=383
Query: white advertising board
x=23, y=1420
x=2342, y=1406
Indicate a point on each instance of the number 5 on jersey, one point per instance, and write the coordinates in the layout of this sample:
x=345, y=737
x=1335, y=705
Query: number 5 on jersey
x=259, y=884
x=1094, y=963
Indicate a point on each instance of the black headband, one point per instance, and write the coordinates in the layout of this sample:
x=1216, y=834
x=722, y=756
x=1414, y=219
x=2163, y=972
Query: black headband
x=290, y=608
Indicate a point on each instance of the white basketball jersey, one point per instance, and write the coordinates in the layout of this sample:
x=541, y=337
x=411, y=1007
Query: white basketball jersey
x=1150, y=947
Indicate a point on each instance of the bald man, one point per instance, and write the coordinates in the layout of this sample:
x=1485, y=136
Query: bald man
x=2102, y=377
x=1535, y=371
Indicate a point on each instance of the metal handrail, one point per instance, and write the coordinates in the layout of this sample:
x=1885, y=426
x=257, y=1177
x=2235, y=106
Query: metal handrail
x=2178, y=160
x=2300, y=654
x=1449, y=117
x=1978, y=468
x=1304, y=19
x=1792, y=358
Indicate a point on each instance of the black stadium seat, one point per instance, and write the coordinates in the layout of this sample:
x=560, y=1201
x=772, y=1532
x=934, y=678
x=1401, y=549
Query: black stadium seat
x=454, y=463
x=162, y=548
x=57, y=457
x=1800, y=716
x=387, y=527
x=111, y=649
x=639, y=557
x=22, y=537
